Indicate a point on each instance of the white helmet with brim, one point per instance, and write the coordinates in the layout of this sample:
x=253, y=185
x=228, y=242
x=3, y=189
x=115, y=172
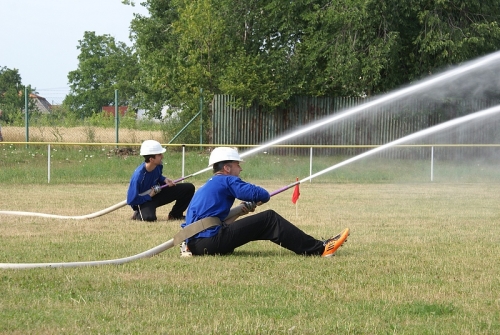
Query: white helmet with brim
x=151, y=147
x=222, y=154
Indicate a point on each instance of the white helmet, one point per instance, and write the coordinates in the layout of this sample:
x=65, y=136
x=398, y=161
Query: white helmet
x=221, y=154
x=151, y=147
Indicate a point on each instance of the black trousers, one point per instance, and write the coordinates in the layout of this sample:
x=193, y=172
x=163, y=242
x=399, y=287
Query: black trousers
x=267, y=225
x=180, y=193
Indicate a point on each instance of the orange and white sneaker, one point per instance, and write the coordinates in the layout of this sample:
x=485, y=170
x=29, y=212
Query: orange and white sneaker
x=335, y=242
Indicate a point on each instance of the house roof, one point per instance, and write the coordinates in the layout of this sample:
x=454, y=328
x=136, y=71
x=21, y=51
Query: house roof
x=110, y=110
x=41, y=103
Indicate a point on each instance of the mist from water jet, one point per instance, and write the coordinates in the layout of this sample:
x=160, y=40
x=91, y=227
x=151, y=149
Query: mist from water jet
x=476, y=79
x=418, y=135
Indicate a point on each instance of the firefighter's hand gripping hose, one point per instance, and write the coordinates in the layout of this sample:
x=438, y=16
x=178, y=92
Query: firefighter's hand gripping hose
x=156, y=189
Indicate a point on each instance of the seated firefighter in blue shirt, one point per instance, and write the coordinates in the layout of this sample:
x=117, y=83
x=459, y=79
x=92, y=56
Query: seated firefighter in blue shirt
x=145, y=193
x=215, y=198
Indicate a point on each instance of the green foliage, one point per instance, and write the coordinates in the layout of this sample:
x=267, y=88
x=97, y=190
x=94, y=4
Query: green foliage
x=267, y=52
x=12, y=96
x=11, y=102
x=104, y=66
x=156, y=44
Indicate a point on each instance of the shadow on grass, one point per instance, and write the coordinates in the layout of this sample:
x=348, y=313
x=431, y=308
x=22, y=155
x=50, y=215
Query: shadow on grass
x=265, y=253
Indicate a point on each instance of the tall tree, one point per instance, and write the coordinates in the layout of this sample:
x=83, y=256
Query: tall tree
x=182, y=49
x=156, y=44
x=263, y=64
x=222, y=46
x=332, y=49
x=454, y=31
x=105, y=65
x=268, y=51
x=12, y=94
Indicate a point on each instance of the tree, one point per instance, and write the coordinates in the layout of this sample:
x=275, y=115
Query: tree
x=341, y=54
x=454, y=31
x=180, y=45
x=269, y=51
x=156, y=46
x=12, y=95
x=263, y=65
x=104, y=66
x=222, y=46
x=181, y=52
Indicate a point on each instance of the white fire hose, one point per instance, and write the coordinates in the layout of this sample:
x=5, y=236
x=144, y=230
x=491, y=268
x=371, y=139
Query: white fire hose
x=93, y=215
x=80, y=217
x=236, y=211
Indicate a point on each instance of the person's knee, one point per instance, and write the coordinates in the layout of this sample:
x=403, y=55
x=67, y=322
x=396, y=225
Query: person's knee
x=270, y=213
x=186, y=188
x=188, y=191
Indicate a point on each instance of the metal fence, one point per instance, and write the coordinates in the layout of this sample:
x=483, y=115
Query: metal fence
x=53, y=158
x=363, y=127
x=354, y=132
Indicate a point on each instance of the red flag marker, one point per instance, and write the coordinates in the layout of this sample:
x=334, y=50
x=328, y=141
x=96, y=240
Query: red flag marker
x=296, y=193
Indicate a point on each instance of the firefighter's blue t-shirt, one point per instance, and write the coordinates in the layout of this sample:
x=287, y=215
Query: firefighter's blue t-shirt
x=216, y=197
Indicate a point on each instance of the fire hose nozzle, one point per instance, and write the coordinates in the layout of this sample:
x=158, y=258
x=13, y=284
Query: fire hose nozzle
x=250, y=205
x=156, y=189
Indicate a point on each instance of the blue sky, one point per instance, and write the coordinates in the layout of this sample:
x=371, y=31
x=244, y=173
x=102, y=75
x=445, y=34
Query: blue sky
x=39, y=37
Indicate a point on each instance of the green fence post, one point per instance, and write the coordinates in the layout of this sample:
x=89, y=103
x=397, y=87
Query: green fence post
x=26, y=116
x=201, y=118
x=180, y=131
x=116, y=117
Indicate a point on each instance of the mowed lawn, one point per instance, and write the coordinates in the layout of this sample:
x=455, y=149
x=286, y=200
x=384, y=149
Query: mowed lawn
x=422, y=258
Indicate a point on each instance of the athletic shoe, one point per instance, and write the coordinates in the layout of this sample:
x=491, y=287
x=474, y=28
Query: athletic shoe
x=185, y=250
x=335, y=242
x=135, y=215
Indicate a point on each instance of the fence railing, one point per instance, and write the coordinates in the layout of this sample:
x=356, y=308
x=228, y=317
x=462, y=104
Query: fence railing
x=428, y=152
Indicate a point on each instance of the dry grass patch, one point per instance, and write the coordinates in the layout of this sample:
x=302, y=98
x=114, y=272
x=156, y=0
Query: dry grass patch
x=80, y=134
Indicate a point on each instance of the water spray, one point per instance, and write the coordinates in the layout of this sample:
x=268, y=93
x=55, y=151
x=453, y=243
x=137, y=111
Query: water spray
x=238, y=209
x=463, y=69
x=421, y=133
x=473, y=65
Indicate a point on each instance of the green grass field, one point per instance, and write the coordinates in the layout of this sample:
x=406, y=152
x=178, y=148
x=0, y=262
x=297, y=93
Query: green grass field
x=422, y=257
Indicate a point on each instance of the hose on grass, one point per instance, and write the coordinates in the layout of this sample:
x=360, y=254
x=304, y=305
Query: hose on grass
x=235, y=211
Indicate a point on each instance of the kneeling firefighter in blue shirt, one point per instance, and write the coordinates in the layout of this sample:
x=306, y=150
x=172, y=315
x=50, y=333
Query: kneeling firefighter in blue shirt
x=214, y=200
x=145, y=193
